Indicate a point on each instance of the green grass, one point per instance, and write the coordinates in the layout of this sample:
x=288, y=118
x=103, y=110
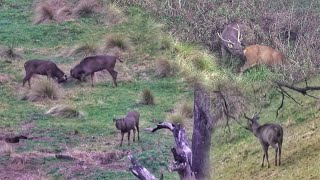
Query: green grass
x=233, y=155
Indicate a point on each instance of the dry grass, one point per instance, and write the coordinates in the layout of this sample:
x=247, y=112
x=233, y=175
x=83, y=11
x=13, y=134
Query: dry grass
x=5, y=149
x=4, y=78
x=114, y=14
x=63, y=14
x=44, y=13
x=185, y=109
x=147, y=97
x=86, y=8
x=118, y=41
x=84, y=50
x=65, y=112
x=176, y=118
x=43, y=89
x=9, y=53
x=163, y=67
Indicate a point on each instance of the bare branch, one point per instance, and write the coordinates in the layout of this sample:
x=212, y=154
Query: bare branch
x=139, y=171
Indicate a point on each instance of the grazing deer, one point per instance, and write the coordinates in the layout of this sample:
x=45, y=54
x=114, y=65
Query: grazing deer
x=231, y=38
x=259, y=54
x=270, y=134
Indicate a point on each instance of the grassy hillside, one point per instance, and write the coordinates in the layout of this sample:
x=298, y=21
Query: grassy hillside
x=93, y=139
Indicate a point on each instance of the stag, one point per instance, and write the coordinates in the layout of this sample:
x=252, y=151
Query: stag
x=270, y=134
x=231, y=38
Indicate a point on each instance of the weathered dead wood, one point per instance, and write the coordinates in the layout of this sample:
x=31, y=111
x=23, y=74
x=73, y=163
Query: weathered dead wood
x=302, y=90
x=139, y=171
x=182, y=153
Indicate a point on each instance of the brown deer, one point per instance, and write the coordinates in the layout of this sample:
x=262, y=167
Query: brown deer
x=260, y=54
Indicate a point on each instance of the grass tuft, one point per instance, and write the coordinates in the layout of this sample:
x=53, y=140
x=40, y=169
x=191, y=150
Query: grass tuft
x=163, y=67
x=118, y=41
x=114, y=14
x=9, y=53
x=185, y=109
x=85, y=49
x=147, y=97
x=6, y=149
x=65, y=112
x=86, y=8
x=44, y=13
x=176, y=118
x=43, y=89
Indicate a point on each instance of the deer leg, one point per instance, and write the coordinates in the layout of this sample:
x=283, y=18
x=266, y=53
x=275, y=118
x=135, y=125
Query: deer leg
x=137, y=126
x=134, y=135
x=114, y=75
x=129, y=138
x=280, y=146
x=27, y=78
x=275, y=146
x=267, y=156
x=264, y=155
x=92, y=74
x=122, y=134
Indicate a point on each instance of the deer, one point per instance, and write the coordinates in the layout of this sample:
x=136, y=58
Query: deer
x=260, y=54
x=43, y=67
x=270, y=134
x=231, y=39
x=90, y=65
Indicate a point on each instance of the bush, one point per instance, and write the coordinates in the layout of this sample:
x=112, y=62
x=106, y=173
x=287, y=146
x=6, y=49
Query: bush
x=118, y=41
x=163, y=67
x=65, y=112
x=43, y=89
x=147, y=97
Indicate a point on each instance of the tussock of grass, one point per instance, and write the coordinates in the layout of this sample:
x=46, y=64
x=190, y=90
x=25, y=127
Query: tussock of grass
x=9, y=53
x=65, y=112
x=176, y=118
x=83, y=50
x=6, y=149
x=147, y=97
x=43, y=89
x=86, y=8
x=118, y=41
x=114, y=14
x=4, y=78
x=63, y=14
x=163, y=67
x=44, y=13
x=185, y=109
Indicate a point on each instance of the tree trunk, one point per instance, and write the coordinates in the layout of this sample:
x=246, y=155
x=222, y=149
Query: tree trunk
x=205, y=117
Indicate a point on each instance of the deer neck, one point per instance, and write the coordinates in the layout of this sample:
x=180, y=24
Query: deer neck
x=255, y=129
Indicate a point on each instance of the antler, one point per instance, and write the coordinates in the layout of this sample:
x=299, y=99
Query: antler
x=246, y=116
x=228, y=41
x=239, y=34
